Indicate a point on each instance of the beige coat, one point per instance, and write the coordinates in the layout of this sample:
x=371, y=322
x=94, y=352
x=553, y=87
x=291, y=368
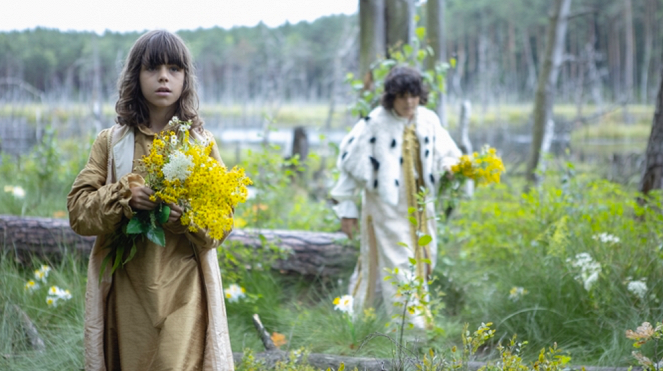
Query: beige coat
x=164, y=309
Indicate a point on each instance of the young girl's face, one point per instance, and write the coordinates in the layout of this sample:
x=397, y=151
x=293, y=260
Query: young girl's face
x=162, y=85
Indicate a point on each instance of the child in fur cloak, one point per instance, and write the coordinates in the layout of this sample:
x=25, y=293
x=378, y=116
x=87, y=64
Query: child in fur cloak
x=164, y=309
x=389, y=156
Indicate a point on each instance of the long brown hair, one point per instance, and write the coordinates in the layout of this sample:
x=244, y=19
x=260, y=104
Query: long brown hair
x=153, y=49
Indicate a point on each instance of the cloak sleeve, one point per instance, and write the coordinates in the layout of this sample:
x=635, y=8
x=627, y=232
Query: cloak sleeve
x=347, y=187
x=200, y=238
x=447, y=152
x=96, y=208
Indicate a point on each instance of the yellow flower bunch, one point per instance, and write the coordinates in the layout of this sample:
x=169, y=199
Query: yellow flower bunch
x=484, y=167
x=180, y=171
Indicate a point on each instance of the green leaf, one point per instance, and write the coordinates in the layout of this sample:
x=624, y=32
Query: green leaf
x=413, y=261
x=420, y=32
x=135, y=226
x=421, y=55
x=157, y=236
x=402, y=244
x=425, y=240
x=132, y=252
x=413, y=220
x=163, y=213
x=118, y=258
x=104, y=264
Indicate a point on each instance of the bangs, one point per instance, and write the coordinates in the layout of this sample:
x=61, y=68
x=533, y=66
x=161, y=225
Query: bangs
x=164, y=48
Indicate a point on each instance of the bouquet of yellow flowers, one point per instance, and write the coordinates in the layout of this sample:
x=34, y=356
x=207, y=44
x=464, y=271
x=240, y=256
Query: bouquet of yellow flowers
x=484, y=168
x=180, y=171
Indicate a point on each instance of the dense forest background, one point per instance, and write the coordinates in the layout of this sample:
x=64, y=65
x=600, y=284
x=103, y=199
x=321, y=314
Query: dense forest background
x=613, y=53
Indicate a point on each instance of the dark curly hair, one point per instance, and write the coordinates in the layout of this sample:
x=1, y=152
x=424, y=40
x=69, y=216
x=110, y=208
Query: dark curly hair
x=153, y=49
x=402, y=80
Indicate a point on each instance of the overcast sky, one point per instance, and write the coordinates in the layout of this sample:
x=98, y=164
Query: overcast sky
x=139, y=15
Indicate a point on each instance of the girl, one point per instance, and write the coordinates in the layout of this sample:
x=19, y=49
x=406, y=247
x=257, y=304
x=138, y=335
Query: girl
x=390, y=155
x=164, y=309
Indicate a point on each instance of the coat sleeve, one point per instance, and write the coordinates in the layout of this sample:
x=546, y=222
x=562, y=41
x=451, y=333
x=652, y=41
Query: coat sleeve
x=346, y=188
x=447, y=152
x=96, y=208
x=201, y=238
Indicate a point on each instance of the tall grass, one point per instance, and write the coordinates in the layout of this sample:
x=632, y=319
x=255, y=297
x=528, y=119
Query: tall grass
x=504, y=240
x=61, y=327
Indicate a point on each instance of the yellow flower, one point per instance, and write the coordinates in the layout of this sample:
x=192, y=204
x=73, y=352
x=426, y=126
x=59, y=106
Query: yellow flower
x=483, y=168
x=207, y=193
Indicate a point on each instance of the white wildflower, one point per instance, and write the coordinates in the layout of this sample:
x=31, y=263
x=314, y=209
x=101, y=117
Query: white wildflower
x=234, y=292
x=52, y=301
x=637, y=287
x=589, y=269
x=42, y=273
x=173, y=140
x=606, y=238
x=344, y=304
x=517, y=292
x=16, y=191
x=177, y=167
x=56, y=294
x=31, y=285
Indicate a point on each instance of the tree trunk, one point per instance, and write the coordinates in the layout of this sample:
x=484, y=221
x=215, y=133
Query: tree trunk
x=629, y=56
x=399, y=23
x=312, y=253
x=614, y=60
x=372, y=44
x=529, y=60
x=464, y=136
x=543, y=100
x=437, y=41
x=652, y=177
x=648, y=41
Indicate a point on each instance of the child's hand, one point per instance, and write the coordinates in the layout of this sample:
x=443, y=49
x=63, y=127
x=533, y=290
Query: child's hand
x=175, y=213
x=140, y=198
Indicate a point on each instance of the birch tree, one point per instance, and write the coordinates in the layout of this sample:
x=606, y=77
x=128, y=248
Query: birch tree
x=543, y=100
x=436, y=39
x=372, y=36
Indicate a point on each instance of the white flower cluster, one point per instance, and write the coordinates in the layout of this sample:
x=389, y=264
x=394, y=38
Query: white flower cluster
x=517, y=292
x=234, y=292
x=589, y=269
x=42, y=273
x=56, y=294
x=178, y=167
x=344, y=304
x=16, y=191
x=637, y=287
x=606, y=238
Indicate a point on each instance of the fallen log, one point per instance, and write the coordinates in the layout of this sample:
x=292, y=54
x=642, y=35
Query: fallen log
x=310, y=253
x=323, y=361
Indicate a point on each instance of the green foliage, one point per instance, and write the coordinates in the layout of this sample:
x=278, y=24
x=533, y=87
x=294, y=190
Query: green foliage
x=281, y=199
x=566, y=262
x=412, y=55
x=45, y=174
x=61, y=326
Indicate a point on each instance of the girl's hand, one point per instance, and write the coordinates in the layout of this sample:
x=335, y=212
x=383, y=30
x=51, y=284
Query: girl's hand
x=175, y=213
x=140, y=198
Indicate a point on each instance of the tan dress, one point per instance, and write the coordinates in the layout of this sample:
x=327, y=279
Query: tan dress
x=161, y=311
